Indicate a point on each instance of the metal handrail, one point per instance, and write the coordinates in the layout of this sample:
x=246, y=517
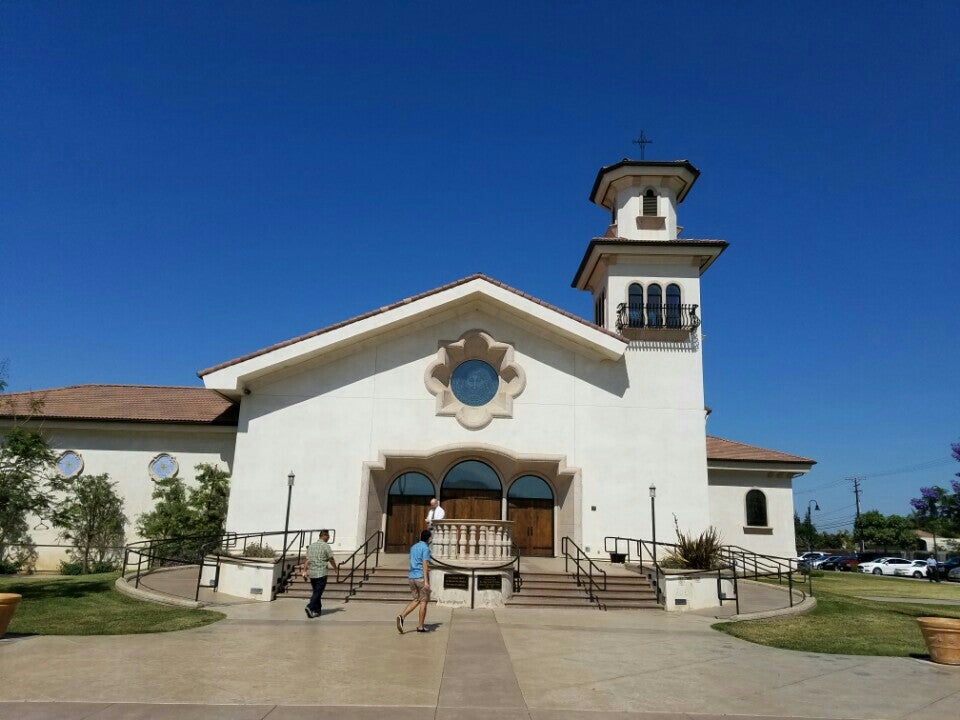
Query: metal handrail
x=367, y=552
x=661, y=316
x=740, y=561
x=152, y=552
x=588, y=574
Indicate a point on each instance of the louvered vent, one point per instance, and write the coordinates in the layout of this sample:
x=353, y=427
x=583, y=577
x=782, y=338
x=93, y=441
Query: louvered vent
x=649, y=203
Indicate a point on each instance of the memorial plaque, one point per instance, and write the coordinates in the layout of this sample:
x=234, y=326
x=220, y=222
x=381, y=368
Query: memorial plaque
x=456, y=582
x=488, y=582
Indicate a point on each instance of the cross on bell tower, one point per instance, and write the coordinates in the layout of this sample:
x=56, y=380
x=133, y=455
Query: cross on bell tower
x=642, y=141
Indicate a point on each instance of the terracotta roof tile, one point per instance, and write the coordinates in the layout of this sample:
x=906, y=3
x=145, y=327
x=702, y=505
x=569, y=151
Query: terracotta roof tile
x=406, y=301
x=136, y=403
x=720, y=449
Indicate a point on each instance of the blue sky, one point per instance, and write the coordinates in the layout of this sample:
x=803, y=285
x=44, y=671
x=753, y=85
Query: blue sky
x=182, y=183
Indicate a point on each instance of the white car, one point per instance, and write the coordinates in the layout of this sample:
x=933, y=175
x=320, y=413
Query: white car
x=917, y=569
x=884, y=565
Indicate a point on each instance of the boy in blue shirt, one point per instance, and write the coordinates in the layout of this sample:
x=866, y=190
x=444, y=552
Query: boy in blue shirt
x=419, y=581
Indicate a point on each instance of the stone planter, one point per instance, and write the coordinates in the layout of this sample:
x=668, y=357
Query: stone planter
x=8, y=604
x=942, y=636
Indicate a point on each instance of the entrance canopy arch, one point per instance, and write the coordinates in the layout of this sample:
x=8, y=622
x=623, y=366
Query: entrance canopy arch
x=472, y=490
x=438, y=462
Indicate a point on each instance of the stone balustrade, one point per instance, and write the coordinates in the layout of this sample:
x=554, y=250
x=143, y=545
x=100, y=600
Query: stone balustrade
x=469, y=542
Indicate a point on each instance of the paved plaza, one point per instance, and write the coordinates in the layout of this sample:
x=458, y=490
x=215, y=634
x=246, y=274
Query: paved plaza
x=266, y=660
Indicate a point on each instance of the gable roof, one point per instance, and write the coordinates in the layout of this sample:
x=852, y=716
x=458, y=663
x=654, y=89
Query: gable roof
x=721, y=449
x=128, y=403
x=226, y=377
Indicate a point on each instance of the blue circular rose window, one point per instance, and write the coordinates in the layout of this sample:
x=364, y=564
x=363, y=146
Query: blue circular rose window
x=474, y=383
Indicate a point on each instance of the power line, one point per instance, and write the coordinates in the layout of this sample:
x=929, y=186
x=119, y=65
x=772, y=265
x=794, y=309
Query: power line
x=926, y=465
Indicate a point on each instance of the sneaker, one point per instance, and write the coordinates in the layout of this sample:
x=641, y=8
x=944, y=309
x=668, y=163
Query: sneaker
x=423, y=629
x=400, y=624
x=310, y=613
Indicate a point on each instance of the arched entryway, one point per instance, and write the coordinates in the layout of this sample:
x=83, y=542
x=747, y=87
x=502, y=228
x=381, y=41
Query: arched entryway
x=471, y=490
x=530, y=506
x=408, y=502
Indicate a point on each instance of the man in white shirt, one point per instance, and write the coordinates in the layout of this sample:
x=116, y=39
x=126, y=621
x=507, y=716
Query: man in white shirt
x=436, y=513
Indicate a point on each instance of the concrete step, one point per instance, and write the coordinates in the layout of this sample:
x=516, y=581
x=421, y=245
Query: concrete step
x=627, y=605
x=522, y=601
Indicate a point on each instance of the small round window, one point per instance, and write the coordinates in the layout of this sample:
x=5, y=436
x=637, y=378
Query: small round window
x=163, y=466
x=474, y=383
x=69, y=464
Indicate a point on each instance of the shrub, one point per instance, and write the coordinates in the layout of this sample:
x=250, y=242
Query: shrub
x=696, y=553
x=71, y=568
x=259, y=551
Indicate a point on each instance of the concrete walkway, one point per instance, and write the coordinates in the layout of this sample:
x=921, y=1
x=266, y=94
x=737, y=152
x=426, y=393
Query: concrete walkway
x=268, y=661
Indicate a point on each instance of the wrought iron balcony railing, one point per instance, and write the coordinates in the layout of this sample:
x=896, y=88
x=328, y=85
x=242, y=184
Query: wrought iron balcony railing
x=636, y=316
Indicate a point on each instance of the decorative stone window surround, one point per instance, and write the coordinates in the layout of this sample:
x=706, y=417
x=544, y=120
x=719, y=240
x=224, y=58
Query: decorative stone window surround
x=70, y=468
x=153, y=467
x=475, y=345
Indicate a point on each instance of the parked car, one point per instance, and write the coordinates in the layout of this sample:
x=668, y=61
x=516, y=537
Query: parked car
x=945, y=568
x=883, y=566
x=820, y=563
x=839, y=562
x=954, y=574
x=809, y=556
x=917, y=569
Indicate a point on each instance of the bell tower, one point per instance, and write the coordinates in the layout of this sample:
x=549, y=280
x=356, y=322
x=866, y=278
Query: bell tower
x=643, y=277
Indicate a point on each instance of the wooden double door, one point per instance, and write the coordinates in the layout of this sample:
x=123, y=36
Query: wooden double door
x=466, y=504
x=532, y=518
x=406, y=517
x=532, y=525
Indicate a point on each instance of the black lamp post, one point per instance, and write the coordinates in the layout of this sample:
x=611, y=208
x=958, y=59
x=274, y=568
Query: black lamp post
x=286, y=523
x=816, y=507
x=653, y=520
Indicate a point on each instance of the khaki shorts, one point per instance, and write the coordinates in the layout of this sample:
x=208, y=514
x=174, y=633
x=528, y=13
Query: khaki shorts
x=418, y=592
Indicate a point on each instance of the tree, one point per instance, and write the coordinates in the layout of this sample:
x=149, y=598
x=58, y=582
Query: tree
x=170, y=516
x=90, y=516
x=805, y=531
x=886, y=531
x=191, y=520
x=208, y=501
x=25, y=463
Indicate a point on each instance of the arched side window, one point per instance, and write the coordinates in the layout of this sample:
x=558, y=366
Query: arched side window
x=635, y=305
x=654, y=305
x=412, y=484
x=756, y=509
x=649, y=203
x=673, y=305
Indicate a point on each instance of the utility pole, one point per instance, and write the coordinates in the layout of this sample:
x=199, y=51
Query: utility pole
x=856, y=495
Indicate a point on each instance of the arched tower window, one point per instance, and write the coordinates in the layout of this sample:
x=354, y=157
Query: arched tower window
x=635, y=305
x=673, y=305
x=649, y=203
x=756, y=509
x=654, y=305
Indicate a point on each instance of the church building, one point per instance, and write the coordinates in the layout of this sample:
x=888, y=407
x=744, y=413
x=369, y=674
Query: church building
x=498, y=403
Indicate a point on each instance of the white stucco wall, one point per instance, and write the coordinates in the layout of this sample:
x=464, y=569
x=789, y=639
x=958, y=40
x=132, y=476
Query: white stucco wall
x=728, y=491
x=123, y=451
x=625, y=424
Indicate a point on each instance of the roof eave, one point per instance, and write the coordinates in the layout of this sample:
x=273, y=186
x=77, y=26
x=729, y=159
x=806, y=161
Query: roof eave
x=707, y=251
x=231, y=378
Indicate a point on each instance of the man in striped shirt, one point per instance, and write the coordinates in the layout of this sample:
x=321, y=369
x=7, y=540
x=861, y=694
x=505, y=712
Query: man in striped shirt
x=319, y=554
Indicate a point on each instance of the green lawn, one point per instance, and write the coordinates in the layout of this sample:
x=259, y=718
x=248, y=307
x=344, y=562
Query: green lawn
x=845, y=623
x=89, y=605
